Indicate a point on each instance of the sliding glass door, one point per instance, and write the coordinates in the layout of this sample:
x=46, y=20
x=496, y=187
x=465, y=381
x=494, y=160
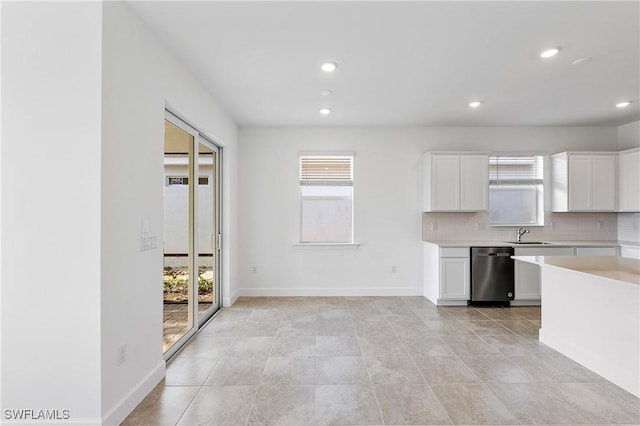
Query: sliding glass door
x=208, y=230
x=191, y=261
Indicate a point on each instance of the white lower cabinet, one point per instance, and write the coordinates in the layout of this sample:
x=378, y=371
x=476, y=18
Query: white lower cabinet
x=447, y=271
x=527, y=275
x=446, y=274
x=454, y=278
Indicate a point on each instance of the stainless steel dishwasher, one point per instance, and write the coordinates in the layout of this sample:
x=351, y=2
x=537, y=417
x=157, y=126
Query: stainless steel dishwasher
x=492, y=275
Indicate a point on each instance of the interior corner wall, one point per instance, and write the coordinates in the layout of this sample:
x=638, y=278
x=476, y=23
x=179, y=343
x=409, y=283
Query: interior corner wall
x=140, y=77
x=629, y=136
x=387, y=199
x=51, y=72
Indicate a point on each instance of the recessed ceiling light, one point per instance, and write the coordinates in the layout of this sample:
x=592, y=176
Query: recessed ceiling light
x=325, y=111
x=582, y=61
x=547, y=53
x=475, y=104
x=325, y=92
x=623, y=104
x=329, y=66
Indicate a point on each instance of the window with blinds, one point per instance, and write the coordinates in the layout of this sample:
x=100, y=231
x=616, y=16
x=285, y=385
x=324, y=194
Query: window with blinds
x=521, y=169
x=326, y=198
x=516, y=190
x=326, y=170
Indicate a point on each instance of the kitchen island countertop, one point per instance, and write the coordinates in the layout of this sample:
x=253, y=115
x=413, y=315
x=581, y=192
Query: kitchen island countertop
x=591, y=313
x=611, y=267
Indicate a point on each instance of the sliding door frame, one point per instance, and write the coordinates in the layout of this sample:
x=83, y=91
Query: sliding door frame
x=194, y=322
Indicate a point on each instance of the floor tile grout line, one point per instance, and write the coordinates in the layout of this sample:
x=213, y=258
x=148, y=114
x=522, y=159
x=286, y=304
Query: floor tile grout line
x=480, y=381
x=255, y=395
x=189, y=405
x=252, y=405
x=366, y=368
x=422, y=375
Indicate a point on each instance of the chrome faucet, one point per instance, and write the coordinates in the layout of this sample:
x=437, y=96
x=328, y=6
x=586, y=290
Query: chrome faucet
x=521, y=232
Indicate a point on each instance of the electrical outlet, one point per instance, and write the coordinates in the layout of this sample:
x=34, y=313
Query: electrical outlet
x=434, y=226
x=394, y=269
x=254, y=269
x=121, y=353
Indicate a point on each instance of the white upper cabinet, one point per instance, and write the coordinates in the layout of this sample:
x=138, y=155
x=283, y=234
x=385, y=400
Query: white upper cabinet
x=443, y=174
x=474, y=182
x=629, y=180
x=584, y=181
x=456, y=182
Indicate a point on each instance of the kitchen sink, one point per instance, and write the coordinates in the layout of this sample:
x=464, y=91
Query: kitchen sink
x=527, y=242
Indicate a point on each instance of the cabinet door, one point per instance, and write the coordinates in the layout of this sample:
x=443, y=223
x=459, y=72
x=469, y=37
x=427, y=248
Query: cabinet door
x=445, y=182
x=629, y=183
x=454, y=278
x=527, y=275
x=527, y=281
x=580, y=182
x=604, y=182
x=474, y=182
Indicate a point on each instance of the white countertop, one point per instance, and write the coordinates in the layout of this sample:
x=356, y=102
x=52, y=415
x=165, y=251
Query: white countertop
x=469, y=243
x=616, y=268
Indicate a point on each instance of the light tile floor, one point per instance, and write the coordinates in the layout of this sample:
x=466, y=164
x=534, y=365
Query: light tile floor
x=374, y=361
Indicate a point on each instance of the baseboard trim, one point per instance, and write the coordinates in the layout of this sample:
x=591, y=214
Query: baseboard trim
x=228, y=301
x=130, y=401
x=532, y=302
x=328, y=292
x=447, y=302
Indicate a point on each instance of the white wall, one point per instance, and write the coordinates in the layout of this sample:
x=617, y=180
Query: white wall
x=629, y=136
x=51, y=175
x=84, y=87
x=388, y=217
x=139, y=76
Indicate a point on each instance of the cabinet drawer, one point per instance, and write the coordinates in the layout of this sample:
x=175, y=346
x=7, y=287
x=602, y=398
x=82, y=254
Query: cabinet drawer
x=630, y=252
x=596, y=251
x=454, y=251
x=544, y=251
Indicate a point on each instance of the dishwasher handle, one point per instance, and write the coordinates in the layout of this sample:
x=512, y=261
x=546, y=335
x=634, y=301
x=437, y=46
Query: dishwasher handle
x=493, y=254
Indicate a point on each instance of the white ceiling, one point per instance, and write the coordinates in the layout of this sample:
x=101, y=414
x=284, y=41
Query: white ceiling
x=413, y=63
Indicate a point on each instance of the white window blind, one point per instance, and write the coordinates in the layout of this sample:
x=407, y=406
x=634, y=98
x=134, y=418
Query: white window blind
x=326, y=170
x=515, y=169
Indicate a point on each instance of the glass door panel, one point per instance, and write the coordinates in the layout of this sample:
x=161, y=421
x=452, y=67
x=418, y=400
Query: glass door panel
x=178, y=270
x=207, y=219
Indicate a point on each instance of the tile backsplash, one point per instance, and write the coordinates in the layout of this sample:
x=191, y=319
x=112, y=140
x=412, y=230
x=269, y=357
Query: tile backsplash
x=628, y=227
x=558, y=227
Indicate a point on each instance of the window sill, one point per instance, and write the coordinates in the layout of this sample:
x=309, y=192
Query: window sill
x=328, y=246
